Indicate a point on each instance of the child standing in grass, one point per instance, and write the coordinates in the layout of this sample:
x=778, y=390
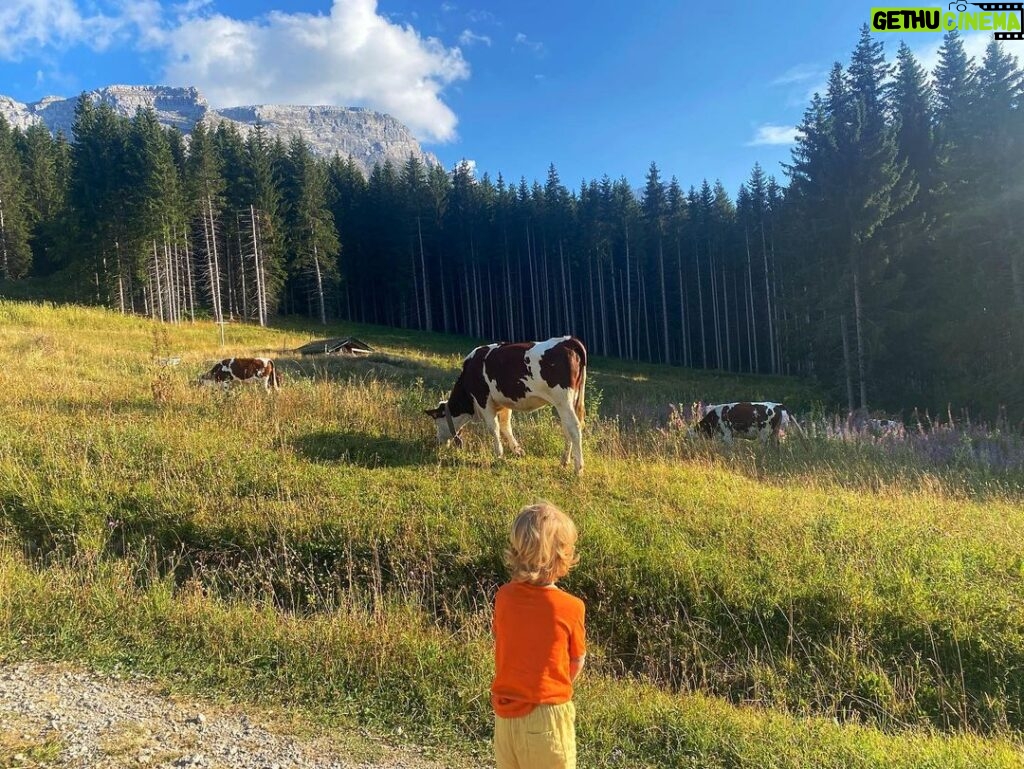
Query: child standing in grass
x=539, y=645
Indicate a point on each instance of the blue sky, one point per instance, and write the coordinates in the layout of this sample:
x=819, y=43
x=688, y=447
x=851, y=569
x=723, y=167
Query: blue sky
x=703, y=89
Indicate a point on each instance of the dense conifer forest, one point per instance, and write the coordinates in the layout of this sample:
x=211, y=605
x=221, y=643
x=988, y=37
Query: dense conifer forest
x=885, y=264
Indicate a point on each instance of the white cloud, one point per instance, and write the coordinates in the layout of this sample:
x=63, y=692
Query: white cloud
x=769, y=134
x=927, y=54
x=482, y=17
x=352, y=56
x=26, y=26
x=469, y=37
x=798, y=74
x=470, y=166
x=522, y=40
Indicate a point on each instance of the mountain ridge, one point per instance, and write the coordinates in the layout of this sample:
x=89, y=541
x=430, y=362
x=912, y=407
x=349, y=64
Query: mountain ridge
x=368, y=136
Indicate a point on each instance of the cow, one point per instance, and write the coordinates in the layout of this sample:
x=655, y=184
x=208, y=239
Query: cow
x=763, y=420
x=885, y=428
x=500, y=378
x=230, y=370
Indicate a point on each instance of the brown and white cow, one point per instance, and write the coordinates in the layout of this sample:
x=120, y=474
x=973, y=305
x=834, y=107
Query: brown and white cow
x=500, y=378
x=761, y=420
x=230, y=370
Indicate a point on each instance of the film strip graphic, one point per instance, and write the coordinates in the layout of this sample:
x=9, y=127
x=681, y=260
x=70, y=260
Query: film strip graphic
x=1018, y=7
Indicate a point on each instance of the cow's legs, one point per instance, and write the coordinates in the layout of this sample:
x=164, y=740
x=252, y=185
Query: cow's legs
x=492, y=423
x=573, y=436
x=505, y=425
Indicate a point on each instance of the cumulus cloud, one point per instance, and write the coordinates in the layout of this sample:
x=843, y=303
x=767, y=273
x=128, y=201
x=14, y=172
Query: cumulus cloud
x=768, y=134
x=350, y=56
x=353, y=55
x=469, y=37
x=29, y=25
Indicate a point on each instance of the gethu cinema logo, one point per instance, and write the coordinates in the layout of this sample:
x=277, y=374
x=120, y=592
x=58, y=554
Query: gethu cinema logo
x=1004, y=19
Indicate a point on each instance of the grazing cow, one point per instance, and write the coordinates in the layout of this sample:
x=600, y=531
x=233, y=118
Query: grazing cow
x=500, y=378
x=763, y=421
x=885, y=428
x=229, y=370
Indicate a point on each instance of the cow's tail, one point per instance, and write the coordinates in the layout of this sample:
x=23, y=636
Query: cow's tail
x=581, y=393
x=275, y=383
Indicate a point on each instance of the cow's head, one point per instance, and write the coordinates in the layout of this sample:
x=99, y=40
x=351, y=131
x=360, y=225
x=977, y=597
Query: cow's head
x=448, y=426
x=706, y=427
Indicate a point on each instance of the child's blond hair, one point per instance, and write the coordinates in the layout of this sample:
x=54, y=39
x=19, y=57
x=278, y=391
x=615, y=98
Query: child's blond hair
x=542, y=547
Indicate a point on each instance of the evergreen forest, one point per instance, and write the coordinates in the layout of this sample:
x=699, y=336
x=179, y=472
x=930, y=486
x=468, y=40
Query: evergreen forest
x=883, y=263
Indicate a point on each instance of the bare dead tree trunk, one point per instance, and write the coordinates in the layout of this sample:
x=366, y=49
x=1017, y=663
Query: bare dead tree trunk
x=713, y=277
x=750, y=287
x=426, y=281
x=565, y=290
x=493, y=330
x=319, y=277
x=534, y=288
x=211, y=270
x=416, y=286
x=629, y=300
x=664, y=300
x=700, y=309
x=846, y=364
x=642, y=285
x=725, y=316
x=159, y=303
x=120, y=277
x=687, y=359
x=604, y=311
x=594, y=338
x=260, y=306
x=620, y=348
x=180, y=295
x=768, y=303
x=747, y=306
x=3, y=244
x=860, y=340
x=216, y=264
x=736, y=321
x=188, y=276
x=508, y=293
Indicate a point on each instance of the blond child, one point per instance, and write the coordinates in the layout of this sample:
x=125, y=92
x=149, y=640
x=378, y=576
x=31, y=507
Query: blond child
x=539, y=645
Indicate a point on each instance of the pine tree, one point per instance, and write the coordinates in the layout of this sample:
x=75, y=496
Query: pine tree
x=15, y=212
x=311, y=237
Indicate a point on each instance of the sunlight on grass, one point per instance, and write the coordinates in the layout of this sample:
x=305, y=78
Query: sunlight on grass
x=315, y=548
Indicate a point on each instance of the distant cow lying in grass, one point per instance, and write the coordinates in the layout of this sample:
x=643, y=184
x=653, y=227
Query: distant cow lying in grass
x=498, y=379
x=764, y=421
x=230, y=370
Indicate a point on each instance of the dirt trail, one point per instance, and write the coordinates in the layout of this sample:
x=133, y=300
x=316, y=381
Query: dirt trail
x=59, y=716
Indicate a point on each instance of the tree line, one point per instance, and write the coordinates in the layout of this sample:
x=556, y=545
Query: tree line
x=888, y=267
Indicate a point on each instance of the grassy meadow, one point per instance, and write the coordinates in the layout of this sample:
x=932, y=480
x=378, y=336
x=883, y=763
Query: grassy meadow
x=820, y=603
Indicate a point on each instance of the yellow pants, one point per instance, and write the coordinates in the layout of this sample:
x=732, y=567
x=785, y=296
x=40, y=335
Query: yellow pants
x=544, y=739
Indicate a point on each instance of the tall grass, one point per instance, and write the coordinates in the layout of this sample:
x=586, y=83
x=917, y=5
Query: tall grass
x=222, y=539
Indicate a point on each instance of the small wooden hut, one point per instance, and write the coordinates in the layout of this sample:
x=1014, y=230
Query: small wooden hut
x=348, y=345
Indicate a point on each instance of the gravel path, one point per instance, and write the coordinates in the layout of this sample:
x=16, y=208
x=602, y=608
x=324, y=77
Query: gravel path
x=58, y=716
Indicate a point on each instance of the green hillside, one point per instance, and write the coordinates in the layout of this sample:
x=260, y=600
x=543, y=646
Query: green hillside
x=817, y=603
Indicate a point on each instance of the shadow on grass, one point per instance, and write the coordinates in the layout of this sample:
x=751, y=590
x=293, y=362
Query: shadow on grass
x=363, y=450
